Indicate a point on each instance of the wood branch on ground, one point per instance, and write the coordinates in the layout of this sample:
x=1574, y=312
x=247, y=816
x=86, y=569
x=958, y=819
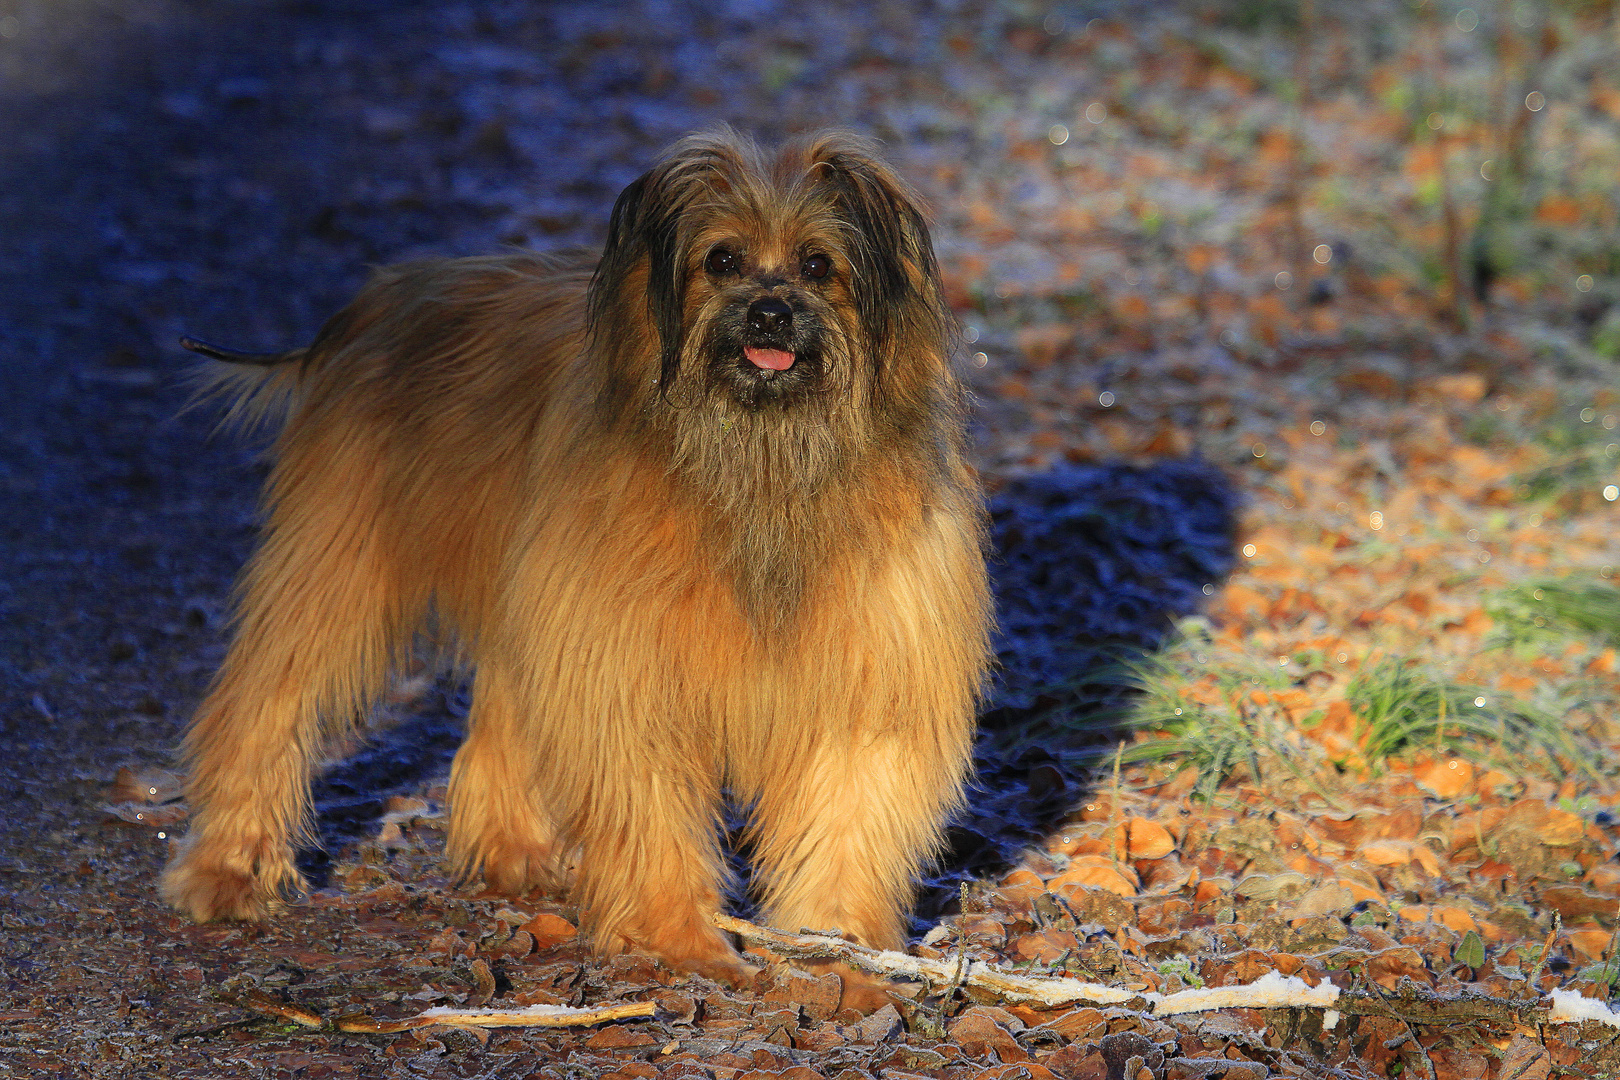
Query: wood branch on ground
x=554, y=1016
x=1407, y=1002
x=528, y=1016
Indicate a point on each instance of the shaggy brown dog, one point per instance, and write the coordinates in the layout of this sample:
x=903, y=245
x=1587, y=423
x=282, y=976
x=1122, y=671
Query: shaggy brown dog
x=701, y=522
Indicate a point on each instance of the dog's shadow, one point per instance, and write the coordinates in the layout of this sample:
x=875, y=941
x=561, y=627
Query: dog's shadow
x=1091, y=567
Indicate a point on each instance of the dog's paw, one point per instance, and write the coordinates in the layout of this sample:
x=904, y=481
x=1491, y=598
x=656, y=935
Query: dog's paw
x=688, y=945
x=210, y=889
x=513, y=869
x=507, y=864
x=731, y=971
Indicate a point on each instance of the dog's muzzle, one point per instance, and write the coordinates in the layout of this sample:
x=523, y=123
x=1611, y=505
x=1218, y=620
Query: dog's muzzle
x=769, y=317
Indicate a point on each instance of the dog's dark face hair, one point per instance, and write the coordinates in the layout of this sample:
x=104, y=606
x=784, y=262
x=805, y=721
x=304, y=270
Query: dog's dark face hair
x=768, y=341
x=776, y=279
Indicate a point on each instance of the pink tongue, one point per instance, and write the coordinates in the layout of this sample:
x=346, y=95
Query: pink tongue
x=773, y=359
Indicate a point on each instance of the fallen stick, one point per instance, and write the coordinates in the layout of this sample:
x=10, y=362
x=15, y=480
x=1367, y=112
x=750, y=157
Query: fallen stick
x=528, y=1016
x=938, y=975
x=1271, y=991
x=261, y=1002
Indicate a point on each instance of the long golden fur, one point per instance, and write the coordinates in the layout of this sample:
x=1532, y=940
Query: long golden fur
x=678, y=572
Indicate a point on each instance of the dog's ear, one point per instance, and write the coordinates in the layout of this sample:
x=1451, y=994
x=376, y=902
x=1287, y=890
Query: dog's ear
x=643, y=227
x=651, y=223
x=896, y=277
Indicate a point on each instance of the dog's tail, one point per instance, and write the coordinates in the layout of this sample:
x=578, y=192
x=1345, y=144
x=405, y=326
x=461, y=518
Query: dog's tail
x=260, y=390
x=235, y=356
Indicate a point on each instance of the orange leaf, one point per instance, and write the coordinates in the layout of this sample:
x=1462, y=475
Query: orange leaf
x=1360, y=892
x=549, y=930
x=1043, y=946
x=1590, y=944
x=1094, y=872
x=1387, y=852
x=1149, y=839
x=1132, y=307
x=1453, y=918
x=1551, y=825
x=1446, y=777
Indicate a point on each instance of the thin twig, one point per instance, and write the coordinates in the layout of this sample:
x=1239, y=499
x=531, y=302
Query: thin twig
x=529, y=1016
x=1422, y=1007
x=261, y=1002
x=1541, y=961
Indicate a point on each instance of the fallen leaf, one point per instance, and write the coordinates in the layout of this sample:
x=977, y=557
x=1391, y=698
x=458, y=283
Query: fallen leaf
x=1095, y=872
x=549, y=930
x=1149, y=839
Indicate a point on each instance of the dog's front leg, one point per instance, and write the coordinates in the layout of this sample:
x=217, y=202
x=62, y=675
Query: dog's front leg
x=619, y=737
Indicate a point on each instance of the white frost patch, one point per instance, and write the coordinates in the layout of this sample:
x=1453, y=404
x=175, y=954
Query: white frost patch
x=1023, y=988
x=1330, y=1019
x=1570, y=1007
x=1269, y=991
x=1050, y=991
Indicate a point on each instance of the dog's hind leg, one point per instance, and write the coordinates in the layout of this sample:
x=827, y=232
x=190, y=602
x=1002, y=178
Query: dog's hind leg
x=319, y=618
x=498, y=823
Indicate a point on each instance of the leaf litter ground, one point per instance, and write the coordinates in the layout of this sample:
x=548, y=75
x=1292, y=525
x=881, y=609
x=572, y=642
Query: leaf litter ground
x=1378, y=760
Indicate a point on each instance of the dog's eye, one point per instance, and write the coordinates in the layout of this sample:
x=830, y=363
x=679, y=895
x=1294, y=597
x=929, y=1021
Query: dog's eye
x=721, y=261
x=816, y=266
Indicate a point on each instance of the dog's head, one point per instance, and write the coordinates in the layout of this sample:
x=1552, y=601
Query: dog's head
x=770, y=280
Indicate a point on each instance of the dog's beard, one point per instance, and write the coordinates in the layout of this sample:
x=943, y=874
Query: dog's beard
x=727, y=344
x=762, y=446
x=754, y=436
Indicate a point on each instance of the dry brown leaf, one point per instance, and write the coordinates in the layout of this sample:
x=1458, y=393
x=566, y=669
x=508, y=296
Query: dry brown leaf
x=1388, y=852
x=145, y=786
x=1454, y=918
x=1095, y=872
x=1575, y=903
x=141, y=813
x=1163, y=875
x=549, y=930
x=1043, y=946
x=1526, y=1059
x=1149, y=839
x=983, y=1027
x=1590, y=944
x=1550, y=824
x=1361, y=892
x=1605, y=878
x=1389, y=966
x=1465, y=386
x=1021, y=887
x=1448, y=778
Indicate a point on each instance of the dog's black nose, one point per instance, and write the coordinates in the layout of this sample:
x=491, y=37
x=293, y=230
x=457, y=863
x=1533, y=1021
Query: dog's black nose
x=768, y=315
